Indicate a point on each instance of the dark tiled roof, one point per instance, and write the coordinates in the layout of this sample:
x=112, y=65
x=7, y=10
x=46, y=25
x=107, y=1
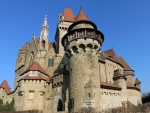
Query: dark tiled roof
x=81, y=16
x=35, y=67
x=5, y=85
x=109, y=85
x=60, y=71
x=68, y=15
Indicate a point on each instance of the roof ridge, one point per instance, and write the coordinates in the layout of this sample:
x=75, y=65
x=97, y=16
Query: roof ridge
x=35, y=66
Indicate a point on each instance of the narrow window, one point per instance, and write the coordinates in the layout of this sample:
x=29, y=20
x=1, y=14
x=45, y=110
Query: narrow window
x=50, y=62
x=60, y=105
x=89, y=95
x=43, y=44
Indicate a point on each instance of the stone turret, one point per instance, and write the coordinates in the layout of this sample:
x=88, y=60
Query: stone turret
x=65, y=20
x=120, y=80
x=137, y=84
x=81, y=44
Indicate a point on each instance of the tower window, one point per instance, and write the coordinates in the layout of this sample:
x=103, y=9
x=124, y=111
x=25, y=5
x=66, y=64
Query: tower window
x=89, y=95
x=50, y=62
x=32, y=56
x=43, y=44
x=59, y=105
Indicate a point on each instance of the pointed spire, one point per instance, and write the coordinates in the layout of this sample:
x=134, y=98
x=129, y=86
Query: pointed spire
x=45, y=21
x=44, y=29
x=81, y=16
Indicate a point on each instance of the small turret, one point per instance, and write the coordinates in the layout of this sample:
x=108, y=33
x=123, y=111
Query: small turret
x=120, y=80
x=137, y=84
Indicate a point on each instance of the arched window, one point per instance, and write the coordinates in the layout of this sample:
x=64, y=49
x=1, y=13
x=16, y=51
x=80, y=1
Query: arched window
x=32, y=56
x=59, y=105
x=43, y=44
x=50, y=62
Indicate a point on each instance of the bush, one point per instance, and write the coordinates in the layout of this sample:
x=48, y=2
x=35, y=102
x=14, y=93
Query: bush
x=7, y=106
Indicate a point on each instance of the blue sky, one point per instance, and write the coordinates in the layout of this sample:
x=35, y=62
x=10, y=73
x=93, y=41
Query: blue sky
x=124, y=23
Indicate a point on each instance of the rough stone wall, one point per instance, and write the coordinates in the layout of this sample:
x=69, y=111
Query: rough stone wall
x=62, y=30
x=123, y=93
x=110, y=67
x=19, y=65
x=4, y=96
x=134, y=96
x=48, y=99
x=110, y=99
x=83, y=67
x=130, y=79
x=29, y=58
x=36, y=100
x=102, y=72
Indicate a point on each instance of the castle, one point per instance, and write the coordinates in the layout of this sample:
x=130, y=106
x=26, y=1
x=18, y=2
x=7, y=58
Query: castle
x=72, y=73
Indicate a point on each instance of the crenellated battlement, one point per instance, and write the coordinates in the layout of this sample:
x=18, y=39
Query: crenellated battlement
x=83, y=46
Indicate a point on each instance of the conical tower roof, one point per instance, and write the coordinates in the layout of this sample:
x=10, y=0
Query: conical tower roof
x=5, y=86
x=81, y=16
x=68, y=15
x=137, y=81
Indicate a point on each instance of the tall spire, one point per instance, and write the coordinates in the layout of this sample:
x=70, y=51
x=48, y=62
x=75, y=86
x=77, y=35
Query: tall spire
x=45, y=21
x=44, y=29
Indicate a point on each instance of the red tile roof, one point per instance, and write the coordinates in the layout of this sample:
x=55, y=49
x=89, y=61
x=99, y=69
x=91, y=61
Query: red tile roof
x=110, y=52
x=81, y=16
x=126, y=67
x=130, y=86
x=49, y=79
x=137, y=81
x=117, y=74
x=27, y=77
x=110, y=86
x=25, y=46
x=35, y=67
x=68, y=15
x=5, y=85
x=37, y=41
x=60, y=71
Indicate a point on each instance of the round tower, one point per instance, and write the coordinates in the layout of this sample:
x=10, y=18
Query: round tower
x=81, y=44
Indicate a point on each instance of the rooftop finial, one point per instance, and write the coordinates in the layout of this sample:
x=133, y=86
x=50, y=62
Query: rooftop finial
x=45, y=16
x=80, y=7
